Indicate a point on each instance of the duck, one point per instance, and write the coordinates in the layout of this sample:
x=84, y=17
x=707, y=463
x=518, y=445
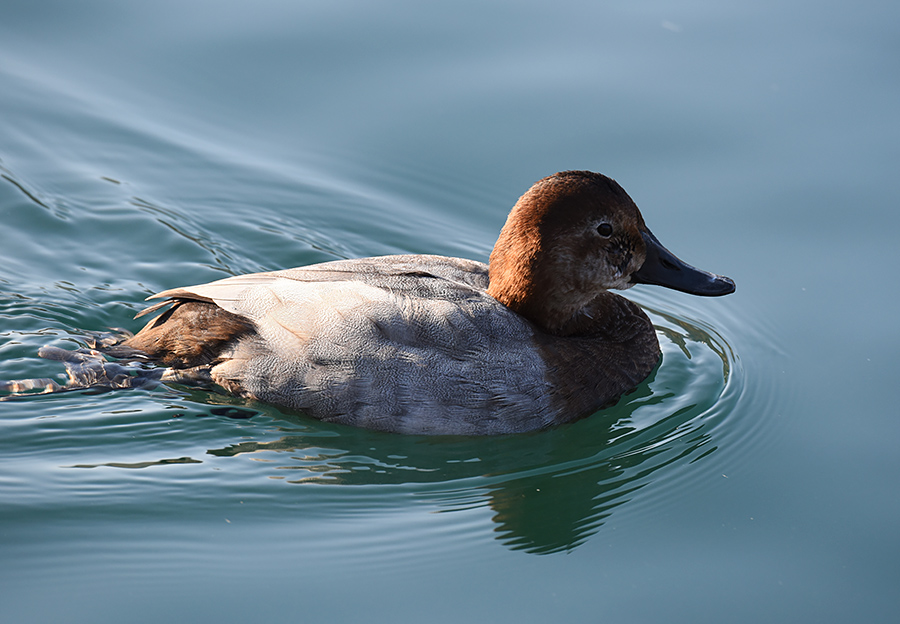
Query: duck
x=434, y=345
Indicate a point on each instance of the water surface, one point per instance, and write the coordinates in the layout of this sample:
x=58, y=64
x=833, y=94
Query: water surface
x=750, y=478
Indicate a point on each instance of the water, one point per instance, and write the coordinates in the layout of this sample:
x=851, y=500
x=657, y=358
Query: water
x=751, y=478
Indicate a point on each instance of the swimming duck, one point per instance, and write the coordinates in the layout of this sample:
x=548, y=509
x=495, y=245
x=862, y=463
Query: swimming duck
x=425, y=344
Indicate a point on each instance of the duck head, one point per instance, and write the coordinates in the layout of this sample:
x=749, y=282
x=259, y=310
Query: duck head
x=571, y=237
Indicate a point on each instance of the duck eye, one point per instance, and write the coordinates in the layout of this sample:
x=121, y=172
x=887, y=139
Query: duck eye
x=604, y=229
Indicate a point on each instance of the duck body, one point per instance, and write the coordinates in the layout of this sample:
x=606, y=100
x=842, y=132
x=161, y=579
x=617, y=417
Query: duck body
x=409, y=343
x=423, y=344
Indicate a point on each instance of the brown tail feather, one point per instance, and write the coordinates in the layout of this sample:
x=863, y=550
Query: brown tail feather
x=189, y=334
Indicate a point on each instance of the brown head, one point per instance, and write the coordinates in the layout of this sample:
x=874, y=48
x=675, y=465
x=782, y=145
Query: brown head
x=571, y=237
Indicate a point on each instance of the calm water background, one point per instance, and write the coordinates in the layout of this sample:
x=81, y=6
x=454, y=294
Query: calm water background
x=752, y=478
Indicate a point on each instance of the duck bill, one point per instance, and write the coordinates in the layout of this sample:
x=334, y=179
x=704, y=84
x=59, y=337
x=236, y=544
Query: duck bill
x=663, y=268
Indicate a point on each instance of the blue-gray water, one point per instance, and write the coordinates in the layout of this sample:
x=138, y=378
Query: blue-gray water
x=752, y=478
